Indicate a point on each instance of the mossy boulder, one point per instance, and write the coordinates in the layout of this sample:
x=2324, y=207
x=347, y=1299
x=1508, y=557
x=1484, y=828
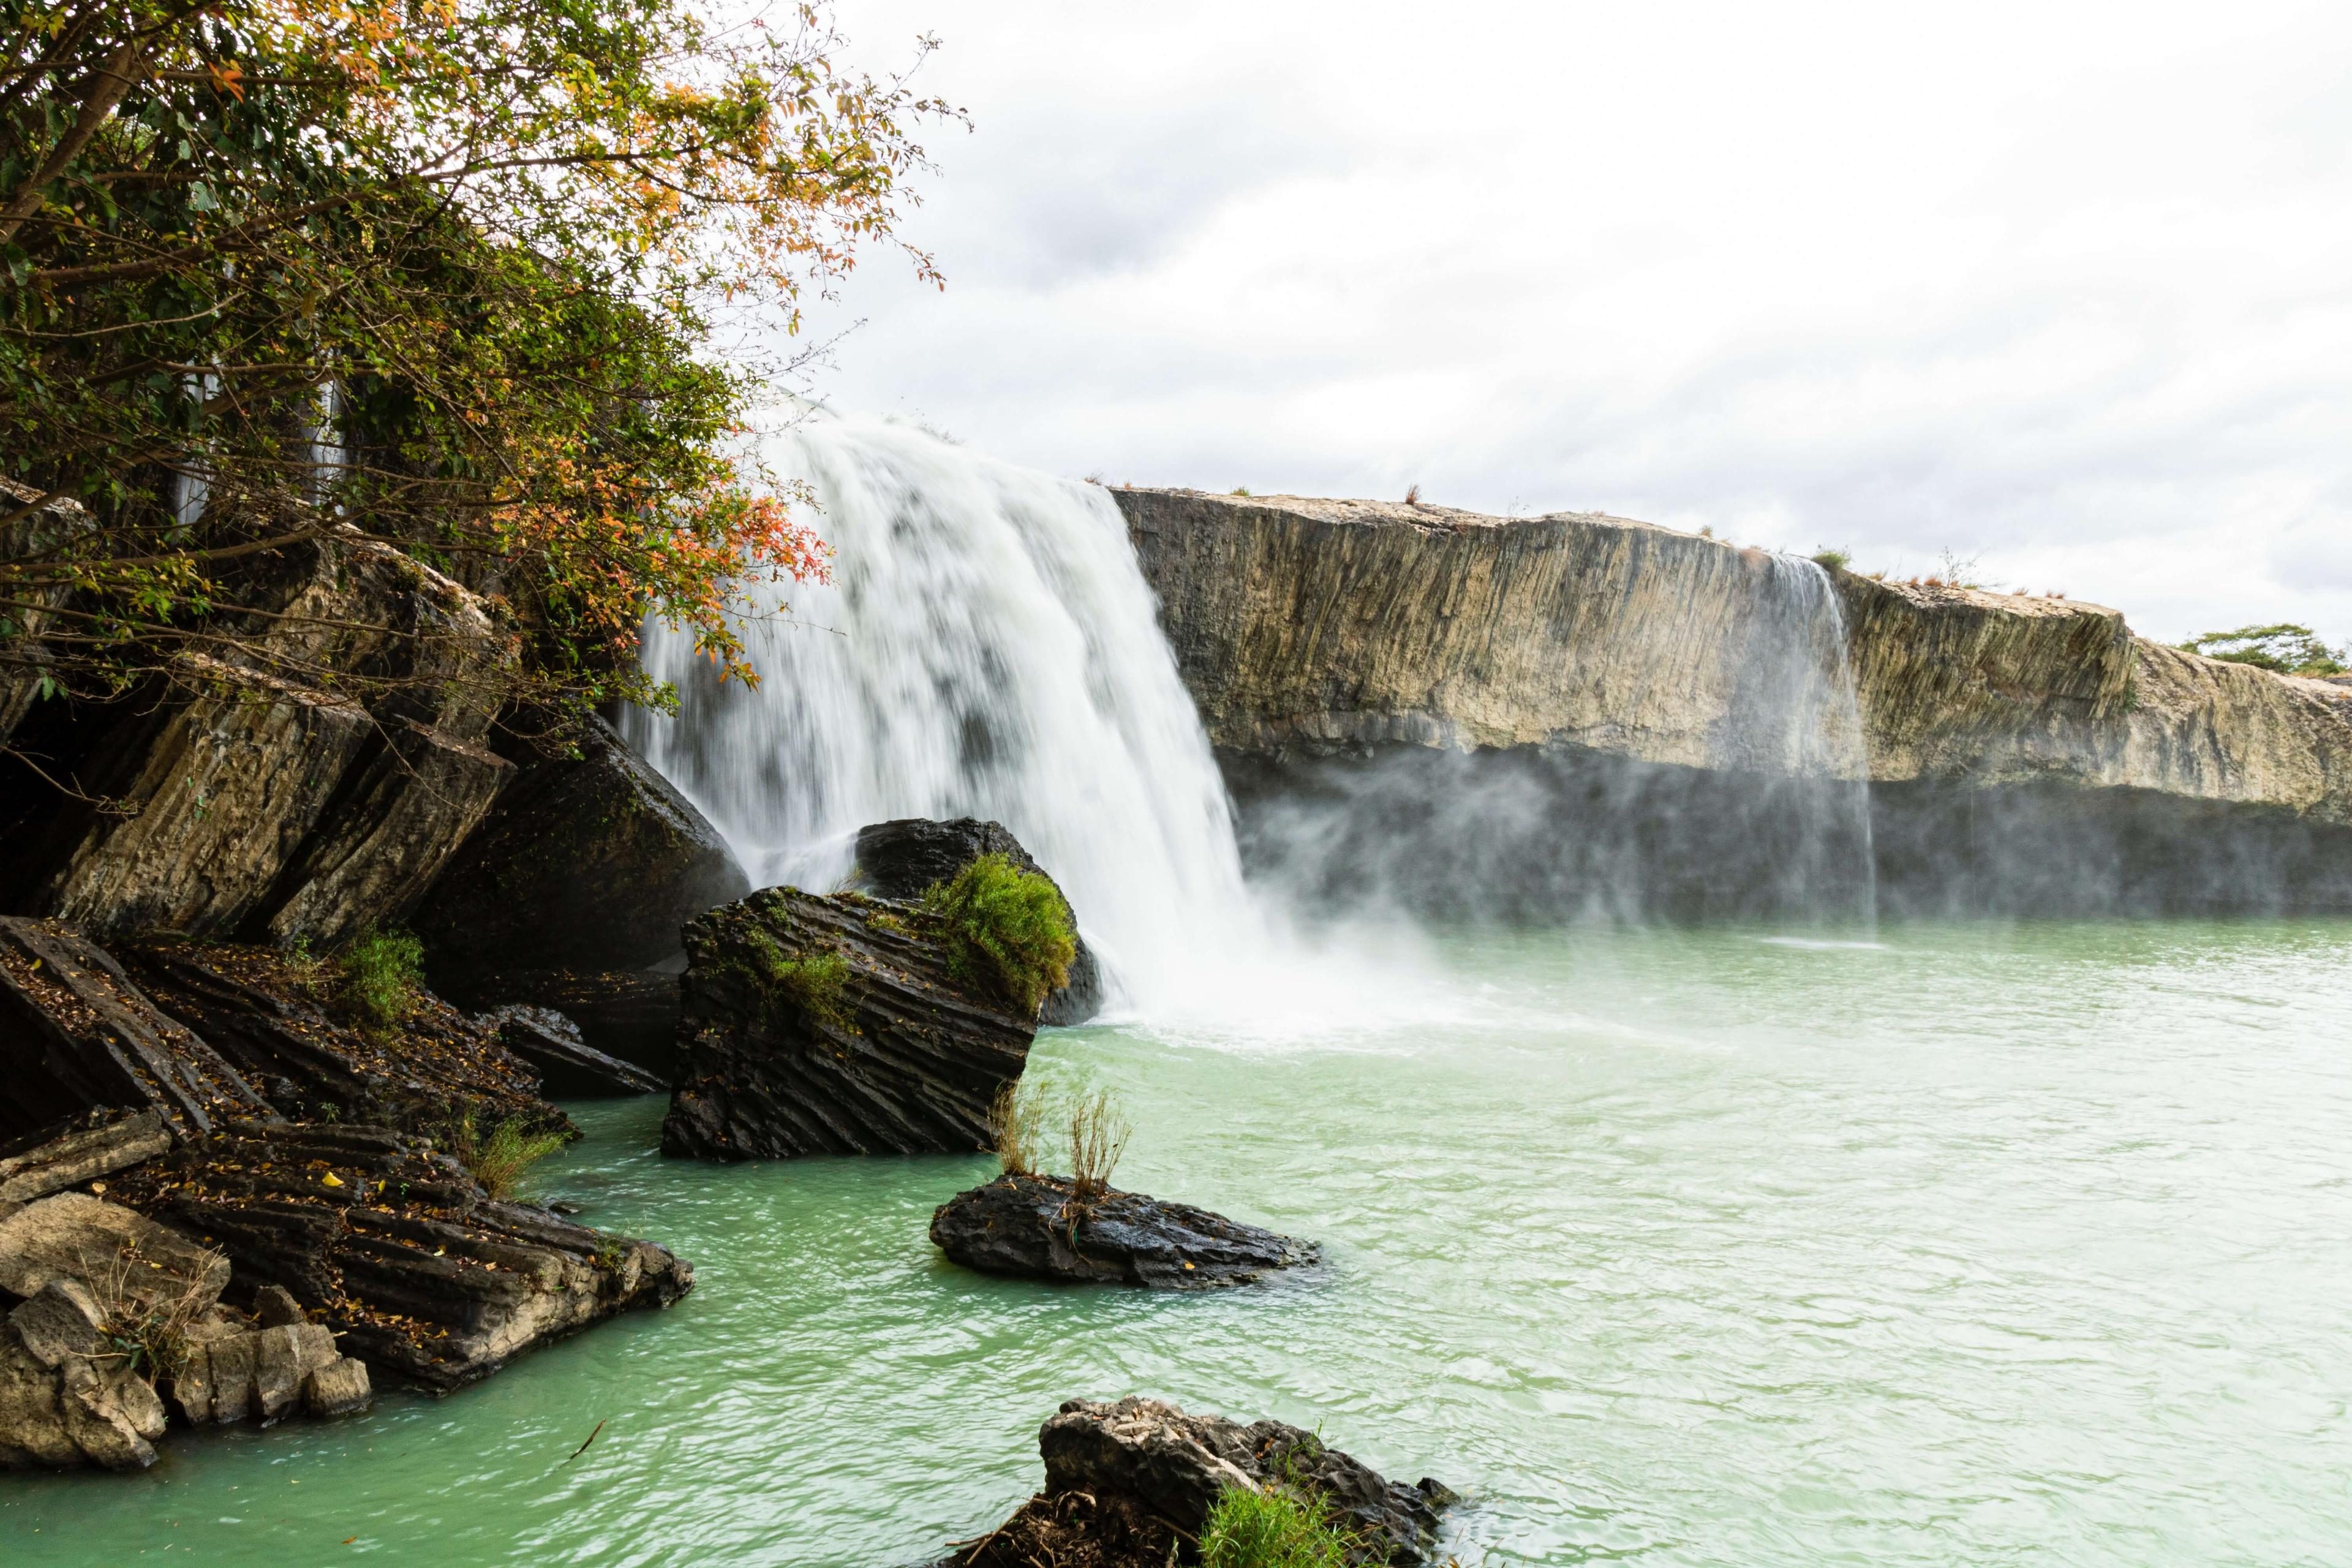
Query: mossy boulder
x=834, y=1025
x=904, y=859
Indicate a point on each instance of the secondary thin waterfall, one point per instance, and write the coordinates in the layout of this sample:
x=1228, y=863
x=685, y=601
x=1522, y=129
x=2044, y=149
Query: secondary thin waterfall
x=987, y=647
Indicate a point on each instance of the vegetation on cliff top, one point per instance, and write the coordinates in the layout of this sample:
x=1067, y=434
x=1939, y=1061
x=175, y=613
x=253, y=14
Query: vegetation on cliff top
x=1004, y=928
x=2284, y=647
x=280, y=272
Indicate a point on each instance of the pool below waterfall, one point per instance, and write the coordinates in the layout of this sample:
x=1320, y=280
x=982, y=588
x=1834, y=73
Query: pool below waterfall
x=1953, y=1244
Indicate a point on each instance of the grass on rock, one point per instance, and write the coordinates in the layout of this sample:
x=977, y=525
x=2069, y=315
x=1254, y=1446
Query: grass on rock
x=1017, y=1117
x=815, y=982
x=1005, y=927
x=382, y=974
x=1099, y=1135
x=501, y=1160
x=1271, y=1529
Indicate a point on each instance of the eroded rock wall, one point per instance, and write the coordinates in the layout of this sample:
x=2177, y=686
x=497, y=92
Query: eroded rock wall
x=1578, y=712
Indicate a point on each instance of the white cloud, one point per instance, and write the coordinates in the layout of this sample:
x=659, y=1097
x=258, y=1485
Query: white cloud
x=2065, y=287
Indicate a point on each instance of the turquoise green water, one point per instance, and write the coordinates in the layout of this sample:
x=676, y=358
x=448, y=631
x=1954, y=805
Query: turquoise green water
x=1985, y=1244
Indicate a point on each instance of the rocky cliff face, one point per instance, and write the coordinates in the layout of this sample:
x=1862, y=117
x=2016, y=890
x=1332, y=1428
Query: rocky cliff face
x=263, y=805
x=1579, y=708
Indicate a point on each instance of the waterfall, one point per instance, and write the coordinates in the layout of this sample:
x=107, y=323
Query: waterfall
x=987, y=647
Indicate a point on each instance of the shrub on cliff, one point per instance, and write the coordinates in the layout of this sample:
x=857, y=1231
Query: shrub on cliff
x=278, y=272
x=1004, y=928
x=379, y=973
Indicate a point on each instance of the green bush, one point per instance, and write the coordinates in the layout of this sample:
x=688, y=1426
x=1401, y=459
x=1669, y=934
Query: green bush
x=1832, y=560
x=1270, y=1528
x=380, y=975
x=1005, y=927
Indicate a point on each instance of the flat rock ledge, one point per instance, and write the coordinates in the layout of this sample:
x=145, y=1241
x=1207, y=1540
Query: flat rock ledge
x=1036, y=1226
x=1130, y=1484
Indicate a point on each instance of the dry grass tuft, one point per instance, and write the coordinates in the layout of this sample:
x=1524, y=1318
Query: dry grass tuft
x=1099, y=1135
x=1015, y=1119
x=145, y=1326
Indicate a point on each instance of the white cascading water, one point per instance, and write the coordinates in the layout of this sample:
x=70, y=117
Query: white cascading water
x=987, y=647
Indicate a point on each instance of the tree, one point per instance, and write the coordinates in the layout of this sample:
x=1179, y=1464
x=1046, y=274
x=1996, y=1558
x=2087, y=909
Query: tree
x=445, y=276
x=2286, y=648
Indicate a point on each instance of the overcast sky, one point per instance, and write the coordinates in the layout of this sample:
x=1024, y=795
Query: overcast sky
x=2065, y=288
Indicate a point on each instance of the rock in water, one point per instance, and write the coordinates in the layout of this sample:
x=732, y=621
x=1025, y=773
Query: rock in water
x=902, y=859
x=831, y=1025
x=394, y=1248
x=64, y=1399
x=1036, y=1226
x=1124, y=1482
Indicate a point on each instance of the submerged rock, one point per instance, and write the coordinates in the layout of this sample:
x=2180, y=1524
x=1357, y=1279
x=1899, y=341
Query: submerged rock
x=831, y=1025
x=903, y=859
x=569, y=1067
x=1036, y=1226
x=1127, y=1482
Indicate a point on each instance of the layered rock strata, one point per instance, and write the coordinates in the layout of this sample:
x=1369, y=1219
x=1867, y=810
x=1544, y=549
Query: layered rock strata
x=395, y=1247
x=831, y=1025
x=905, y=858
x=1039, y=1227
x=1604, y=715
x=207, y=1031
x=271, y=802
x=1132, y=1483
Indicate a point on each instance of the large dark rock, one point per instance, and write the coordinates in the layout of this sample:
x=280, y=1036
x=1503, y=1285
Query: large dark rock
x=395, y=1247
x=77, y=1034
x=630, y=1014
x=207, y=1032
x=1036, y=1226
x=569, y=1067
x=902, y=859
x=248, y=800
x=831, y=1025
x=1124, y=1482
x=590, y=863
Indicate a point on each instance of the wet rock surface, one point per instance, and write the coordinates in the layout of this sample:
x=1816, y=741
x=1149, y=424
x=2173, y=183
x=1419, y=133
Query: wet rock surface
x=1036, y=1226
x=630, y=1014
x=831, y=1025
x=902, y=860
x=78, y=1150
x=1126, y=1482
x=589, y=864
